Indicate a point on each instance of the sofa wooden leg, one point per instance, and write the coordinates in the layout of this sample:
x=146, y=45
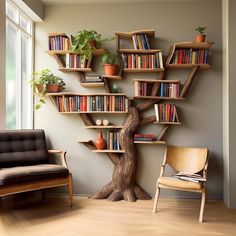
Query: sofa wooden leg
x=70, y=190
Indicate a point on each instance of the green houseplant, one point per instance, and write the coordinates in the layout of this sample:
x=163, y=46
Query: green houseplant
x=109, y=63
x=85, y=42
x=200, y=37
x=43, y=82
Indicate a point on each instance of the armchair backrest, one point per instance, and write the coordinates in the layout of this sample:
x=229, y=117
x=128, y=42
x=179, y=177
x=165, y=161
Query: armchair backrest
x=22, y=147
x=186, y=159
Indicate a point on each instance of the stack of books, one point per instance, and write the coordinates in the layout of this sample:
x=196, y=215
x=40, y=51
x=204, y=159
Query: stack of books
x=93, y=78
x=144, y=137
x=196, y=178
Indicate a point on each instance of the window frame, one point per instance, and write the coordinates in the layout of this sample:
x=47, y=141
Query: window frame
x=21, y=31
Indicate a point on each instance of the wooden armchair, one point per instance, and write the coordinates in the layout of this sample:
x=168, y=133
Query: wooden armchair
x=187, y=160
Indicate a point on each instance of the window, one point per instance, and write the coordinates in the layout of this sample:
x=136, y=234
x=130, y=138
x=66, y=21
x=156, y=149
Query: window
x=18, y=68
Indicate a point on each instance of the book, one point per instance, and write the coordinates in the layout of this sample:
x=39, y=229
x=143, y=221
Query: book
x=156, y=112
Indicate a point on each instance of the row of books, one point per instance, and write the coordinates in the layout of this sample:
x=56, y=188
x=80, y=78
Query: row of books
x=58, y=42
x=142, y=88
x=144, y=137
x=190, y=56
x=166, y=113
x=196, y=178
x=91, y=103
x=142, y=61
x=140, y=41
x=170, y=90
x=112, y=140
x=74, y=61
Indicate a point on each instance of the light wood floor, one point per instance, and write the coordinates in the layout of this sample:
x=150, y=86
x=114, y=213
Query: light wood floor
x=52, y=217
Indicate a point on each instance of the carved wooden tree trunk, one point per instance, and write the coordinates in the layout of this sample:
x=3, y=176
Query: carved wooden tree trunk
x=123, y=185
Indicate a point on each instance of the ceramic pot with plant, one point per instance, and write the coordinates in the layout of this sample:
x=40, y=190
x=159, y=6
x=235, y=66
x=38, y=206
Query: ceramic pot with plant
x=109, y=63
x=85, y=42
x=200, y=37
x=44, y=82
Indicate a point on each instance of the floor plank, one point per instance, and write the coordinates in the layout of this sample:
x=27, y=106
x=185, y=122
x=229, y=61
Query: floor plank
x=24, y=216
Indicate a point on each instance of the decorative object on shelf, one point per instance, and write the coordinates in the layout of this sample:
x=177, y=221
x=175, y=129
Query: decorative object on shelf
x=200, y=37
x=105, y=122
x=45, y=81
x=109, y=63
x=98, y=122
x=100, y=142
x=115, y=88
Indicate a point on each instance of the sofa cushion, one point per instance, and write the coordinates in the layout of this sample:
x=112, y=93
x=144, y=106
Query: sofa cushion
x=31, y=173
x=22, y=147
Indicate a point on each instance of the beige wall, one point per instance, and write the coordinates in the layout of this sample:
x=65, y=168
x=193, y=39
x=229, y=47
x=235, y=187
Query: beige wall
x=2, y=64
x=201, y=113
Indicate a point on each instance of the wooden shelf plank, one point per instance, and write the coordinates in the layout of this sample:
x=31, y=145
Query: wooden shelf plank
x=103, y=127
x=149, y=33
x=97, y=52
x=140, y=51
x=143, y=70
x=95, y=112
x=112, y=77
x=150, y=142
x=64, y=69
x=167, y=123
x=92, y=84
x=202, y=66
x=106, y=151
x=157, y=81
x=156, y=97
x=79, y=94
x=194, y=45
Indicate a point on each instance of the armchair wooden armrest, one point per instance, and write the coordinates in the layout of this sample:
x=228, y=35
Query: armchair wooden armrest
x=62, y=155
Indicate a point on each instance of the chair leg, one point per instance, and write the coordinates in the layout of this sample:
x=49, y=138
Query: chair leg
x=202, y=205
x=156, y=199
x=70, y=190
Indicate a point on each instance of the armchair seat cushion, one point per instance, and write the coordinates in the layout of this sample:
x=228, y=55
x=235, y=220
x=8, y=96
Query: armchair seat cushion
x=172, y=182
x=19, y=174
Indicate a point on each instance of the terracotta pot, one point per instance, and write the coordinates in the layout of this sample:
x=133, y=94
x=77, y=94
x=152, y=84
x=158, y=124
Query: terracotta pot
x=50, y=88
x=200, y=38
x=110, y=69
x=100, y=142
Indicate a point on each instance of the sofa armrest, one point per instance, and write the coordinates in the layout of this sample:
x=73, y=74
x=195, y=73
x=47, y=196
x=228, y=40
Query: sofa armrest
x=62, y=155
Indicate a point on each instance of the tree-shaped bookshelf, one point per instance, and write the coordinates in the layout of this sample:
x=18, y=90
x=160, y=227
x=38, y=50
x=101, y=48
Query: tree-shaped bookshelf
x=149, y=93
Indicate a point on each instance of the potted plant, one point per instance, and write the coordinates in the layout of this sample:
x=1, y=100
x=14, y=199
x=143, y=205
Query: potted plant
x=85, y=42
x=109, y=63
x=200, y=37
x=44, y=82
